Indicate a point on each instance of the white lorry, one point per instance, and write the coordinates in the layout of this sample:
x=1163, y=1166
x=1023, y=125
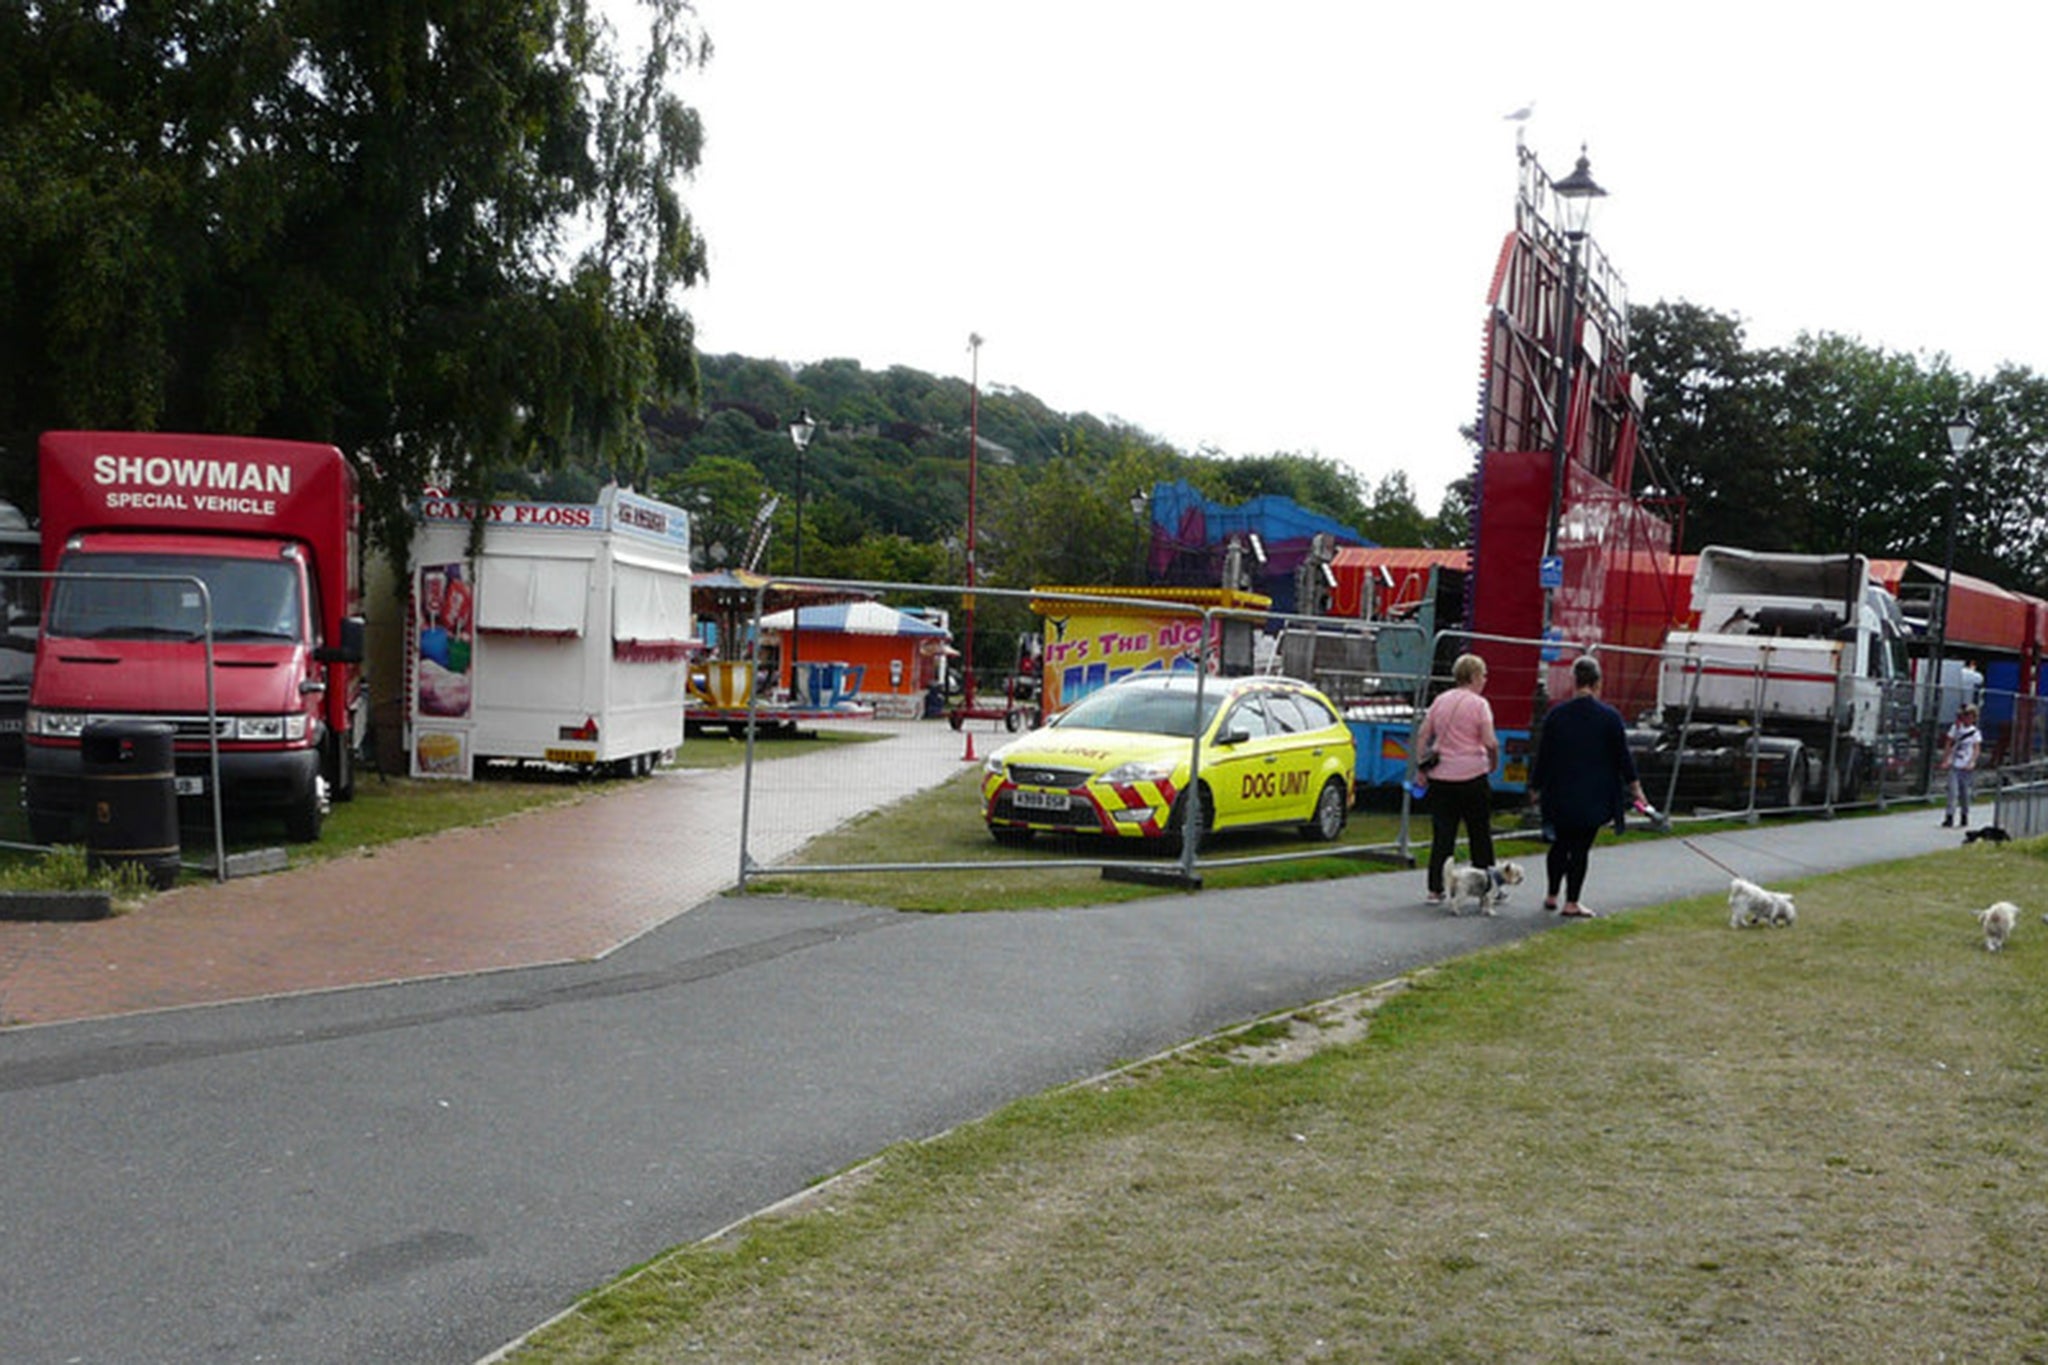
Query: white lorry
x=1796, y=686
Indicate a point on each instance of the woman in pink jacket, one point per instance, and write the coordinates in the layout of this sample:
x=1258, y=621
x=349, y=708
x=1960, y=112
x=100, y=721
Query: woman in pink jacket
x=1459, y=728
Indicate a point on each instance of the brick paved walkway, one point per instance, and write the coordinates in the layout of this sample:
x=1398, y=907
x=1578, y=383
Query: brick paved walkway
x=566, y=884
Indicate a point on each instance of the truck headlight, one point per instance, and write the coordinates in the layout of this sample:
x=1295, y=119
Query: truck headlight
x=55, y=724
x=268, y=729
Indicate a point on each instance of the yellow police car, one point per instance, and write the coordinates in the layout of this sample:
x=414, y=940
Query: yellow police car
x=1273, y=751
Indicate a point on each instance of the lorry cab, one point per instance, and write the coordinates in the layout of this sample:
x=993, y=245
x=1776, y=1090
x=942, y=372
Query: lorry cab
x=19, y=593
x=207, y=583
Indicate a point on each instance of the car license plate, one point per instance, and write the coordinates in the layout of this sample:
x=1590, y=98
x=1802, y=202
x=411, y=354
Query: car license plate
x=1026, y=799
x=571, y=755
x=188, y=786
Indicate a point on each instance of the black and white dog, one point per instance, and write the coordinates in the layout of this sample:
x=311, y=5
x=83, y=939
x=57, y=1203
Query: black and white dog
x=1990, y=834
x=1487, y=887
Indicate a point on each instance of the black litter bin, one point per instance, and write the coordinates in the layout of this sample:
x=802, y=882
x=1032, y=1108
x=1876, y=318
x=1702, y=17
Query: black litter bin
x=128, y=777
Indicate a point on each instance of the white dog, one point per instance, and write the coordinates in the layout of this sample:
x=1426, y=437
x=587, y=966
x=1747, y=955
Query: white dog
x=1998, y=920
x=1485, y=886
x=1750, y=905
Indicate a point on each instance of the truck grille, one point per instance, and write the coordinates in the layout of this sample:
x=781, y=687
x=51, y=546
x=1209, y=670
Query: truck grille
x=184, y=729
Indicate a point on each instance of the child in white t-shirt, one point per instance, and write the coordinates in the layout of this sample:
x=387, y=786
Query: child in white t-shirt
x=1959, y=758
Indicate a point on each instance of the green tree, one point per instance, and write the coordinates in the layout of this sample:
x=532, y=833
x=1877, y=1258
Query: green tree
x=1711, y=434
x=723, y=497
x=447, y=237
x=1393, y=516
x=1862, y=438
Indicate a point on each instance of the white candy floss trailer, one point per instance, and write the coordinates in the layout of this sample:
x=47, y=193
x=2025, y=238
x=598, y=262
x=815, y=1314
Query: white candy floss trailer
x=566, y=640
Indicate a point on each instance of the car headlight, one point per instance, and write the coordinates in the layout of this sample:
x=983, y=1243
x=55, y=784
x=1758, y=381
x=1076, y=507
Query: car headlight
x=55, y=724
x=1138, y=770
x=993, y=766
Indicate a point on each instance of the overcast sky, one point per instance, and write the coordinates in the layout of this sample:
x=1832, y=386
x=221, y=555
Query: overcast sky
x=1272, y=227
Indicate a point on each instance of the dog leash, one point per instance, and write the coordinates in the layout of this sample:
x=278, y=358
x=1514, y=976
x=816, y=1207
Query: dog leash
x=1710, y=857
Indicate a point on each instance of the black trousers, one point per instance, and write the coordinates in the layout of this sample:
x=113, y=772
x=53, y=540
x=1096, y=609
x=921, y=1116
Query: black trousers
x=1565, y=864
x=1451, y=804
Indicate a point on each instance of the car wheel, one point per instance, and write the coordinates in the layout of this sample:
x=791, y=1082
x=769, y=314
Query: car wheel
x=1208, y=810
x=1332, y=811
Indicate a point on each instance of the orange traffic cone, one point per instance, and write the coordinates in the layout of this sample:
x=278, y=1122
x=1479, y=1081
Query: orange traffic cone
x=968, y=757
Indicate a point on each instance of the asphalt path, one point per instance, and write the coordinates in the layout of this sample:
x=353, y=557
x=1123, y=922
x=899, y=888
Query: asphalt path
x=422, y=1172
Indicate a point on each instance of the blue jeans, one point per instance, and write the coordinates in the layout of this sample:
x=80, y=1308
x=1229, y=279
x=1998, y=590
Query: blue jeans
x=1959, y=794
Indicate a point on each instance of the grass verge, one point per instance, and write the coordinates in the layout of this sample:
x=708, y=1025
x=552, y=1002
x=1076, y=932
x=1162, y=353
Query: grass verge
x=1649, y=1139
x=943, y=825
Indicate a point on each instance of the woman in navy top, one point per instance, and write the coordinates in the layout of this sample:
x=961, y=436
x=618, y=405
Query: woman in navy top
x=1583, y=774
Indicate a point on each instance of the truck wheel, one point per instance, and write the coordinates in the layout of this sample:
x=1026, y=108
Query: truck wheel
x=341, y=769
x=1845, y=783
x=1331, y=813
x=302, y=822
x=1793, y=793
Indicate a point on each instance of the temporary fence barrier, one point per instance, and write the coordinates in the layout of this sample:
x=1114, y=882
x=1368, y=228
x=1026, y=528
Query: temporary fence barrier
x=1055, y=647
x=40, y=830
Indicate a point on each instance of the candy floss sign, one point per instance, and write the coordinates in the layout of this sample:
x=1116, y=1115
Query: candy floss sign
x=1085, y=652
x=542, y=516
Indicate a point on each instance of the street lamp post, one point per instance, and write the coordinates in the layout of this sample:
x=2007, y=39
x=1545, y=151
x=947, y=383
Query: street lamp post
x=1575, y=193
x=800, y=432
x=1962, y=429
x=1141, y=505
x=973, y=464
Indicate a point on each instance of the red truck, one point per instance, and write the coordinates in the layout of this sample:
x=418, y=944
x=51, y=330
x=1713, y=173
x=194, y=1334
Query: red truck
x=270, y=528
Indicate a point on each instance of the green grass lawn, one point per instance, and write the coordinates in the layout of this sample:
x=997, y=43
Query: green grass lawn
x=1652, y=1138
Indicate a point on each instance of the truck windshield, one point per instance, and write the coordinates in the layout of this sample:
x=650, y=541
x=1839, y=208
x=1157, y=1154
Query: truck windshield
x=253, y=599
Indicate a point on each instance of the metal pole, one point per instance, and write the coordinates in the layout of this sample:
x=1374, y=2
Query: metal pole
x=973, y=464
x=1560, y=453
x=1948, y=578
x=796, y=606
